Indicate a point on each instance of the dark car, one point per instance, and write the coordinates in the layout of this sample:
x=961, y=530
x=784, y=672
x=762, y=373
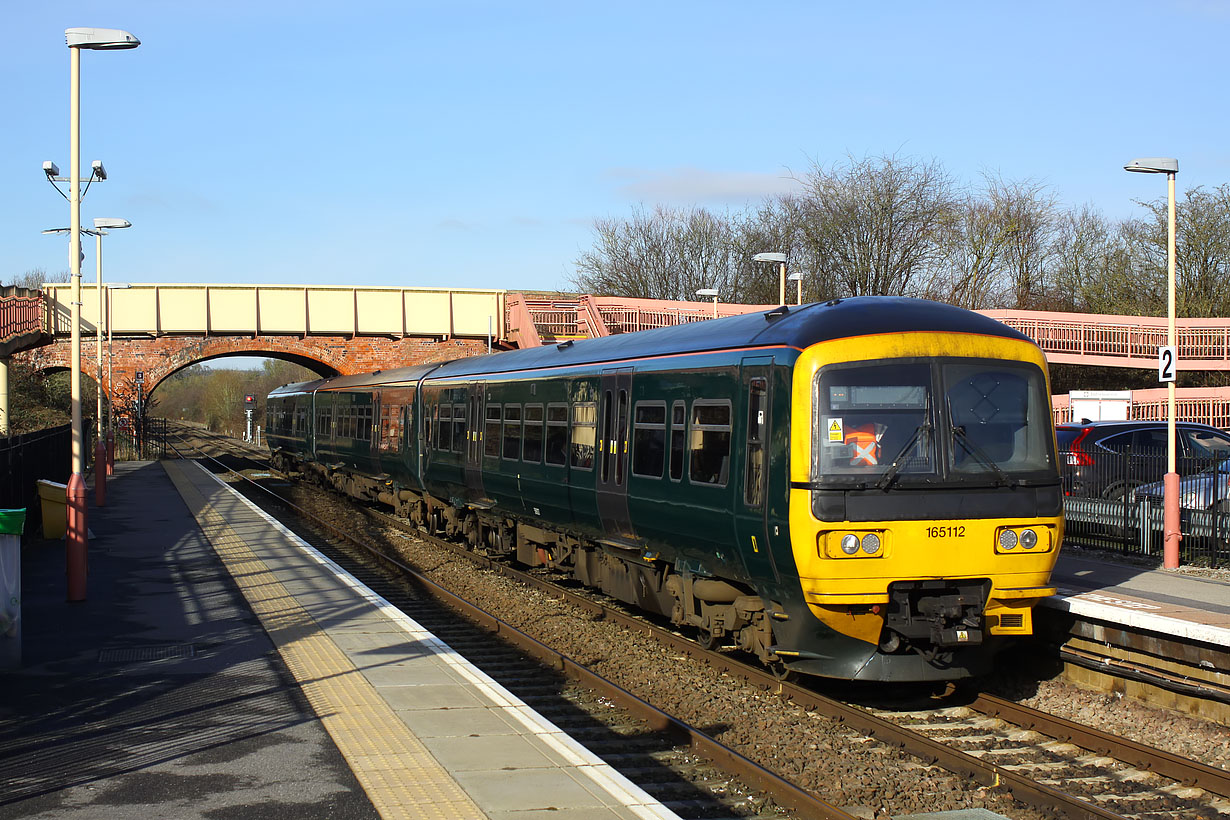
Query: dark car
x=1110, y=459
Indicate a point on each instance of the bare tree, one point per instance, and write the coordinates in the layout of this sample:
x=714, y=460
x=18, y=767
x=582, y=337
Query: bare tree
x=873, y=224
x=35, y=278
x=662, y=254
x=1025, y=212
x=1092, y=269
x=1202, y=233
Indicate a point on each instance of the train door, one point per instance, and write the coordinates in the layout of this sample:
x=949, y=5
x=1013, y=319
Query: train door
x=612, y=483
x=475, y=405
x=752, y=524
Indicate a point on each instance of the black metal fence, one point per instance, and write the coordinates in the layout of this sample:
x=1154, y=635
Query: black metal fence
x=43, y=454
x=147, y=441
x=1114, y=501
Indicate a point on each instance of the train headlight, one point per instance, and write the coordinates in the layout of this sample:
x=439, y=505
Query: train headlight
x=849, y=544
x=1029, y=539
x=871, y=543
x=1007, y=539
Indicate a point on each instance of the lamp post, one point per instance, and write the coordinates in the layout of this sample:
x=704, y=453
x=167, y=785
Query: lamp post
x=102, y=465
x=1169, y=167
x=110, y=381
x=710, y=293
x=781, y=281
x=101, y=226
x=76, y=542
x=797, y=278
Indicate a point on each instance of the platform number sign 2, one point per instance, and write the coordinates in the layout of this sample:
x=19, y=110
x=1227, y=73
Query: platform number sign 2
x=1167, y=362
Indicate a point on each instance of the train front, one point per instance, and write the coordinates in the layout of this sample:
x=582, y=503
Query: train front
x=925, y=509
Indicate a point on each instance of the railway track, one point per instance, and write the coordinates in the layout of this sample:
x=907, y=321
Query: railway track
x=690, y=773
x=1053, y=765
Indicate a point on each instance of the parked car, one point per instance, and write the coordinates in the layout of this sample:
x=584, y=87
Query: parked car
x=1206, y=490
x=1110, y=459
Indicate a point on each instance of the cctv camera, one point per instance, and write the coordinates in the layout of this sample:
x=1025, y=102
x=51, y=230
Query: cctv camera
x=99, y=170
x=51, y=169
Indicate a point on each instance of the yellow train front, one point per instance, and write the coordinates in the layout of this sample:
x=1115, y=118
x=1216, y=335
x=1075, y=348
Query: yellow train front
x=924, y=503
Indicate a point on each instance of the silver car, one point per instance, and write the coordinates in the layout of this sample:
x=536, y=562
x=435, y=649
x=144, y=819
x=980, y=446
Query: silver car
x=1206, y=490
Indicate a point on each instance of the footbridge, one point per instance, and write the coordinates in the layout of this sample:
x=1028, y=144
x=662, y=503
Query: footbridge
x=159, y=328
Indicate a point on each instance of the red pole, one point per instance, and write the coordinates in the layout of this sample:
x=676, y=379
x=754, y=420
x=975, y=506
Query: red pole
x=1170, y=522
x=78, y=537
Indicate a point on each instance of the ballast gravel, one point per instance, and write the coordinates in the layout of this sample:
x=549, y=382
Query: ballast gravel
x=860, y=774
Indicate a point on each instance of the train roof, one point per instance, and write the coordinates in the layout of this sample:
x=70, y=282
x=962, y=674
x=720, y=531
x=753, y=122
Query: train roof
x=797, y=327
x=394, y=375
x=794, y=326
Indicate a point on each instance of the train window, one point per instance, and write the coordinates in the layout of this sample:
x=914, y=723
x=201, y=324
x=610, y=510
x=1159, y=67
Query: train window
x=491, y=443
x=366, y=419
x=678, y=430
x=709, y=442
x=512, y=432
x=875, y=421
x=649, y=439
x=390, y=428
x=533, y=434
x=757, y=424
x=557, y=434
x=324, y=422
x=444, y=430
x=459, y=428
x=584, y=434
x=991, y=405
x=607, y=435
x=620, y=438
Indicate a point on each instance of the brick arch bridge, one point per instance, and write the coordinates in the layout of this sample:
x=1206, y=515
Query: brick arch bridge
x=160, y=357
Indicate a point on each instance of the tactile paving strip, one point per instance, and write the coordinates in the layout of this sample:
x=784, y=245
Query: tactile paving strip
x=400, y=776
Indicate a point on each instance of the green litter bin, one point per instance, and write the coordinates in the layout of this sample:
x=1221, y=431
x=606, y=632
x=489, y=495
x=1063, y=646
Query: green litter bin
x=11, y=524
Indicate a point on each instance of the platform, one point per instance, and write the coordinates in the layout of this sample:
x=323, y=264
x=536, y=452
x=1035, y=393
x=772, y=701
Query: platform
x=221, y=666
x=1171, y=603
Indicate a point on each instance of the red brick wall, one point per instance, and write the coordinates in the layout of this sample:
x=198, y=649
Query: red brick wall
x=327, y=355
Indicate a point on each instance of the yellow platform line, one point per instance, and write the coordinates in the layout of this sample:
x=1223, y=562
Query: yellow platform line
x=400, y=776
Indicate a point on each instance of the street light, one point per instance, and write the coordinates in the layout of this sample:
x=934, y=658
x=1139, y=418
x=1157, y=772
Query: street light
x=780, y=258
x=797, y=278
x=707, y=293
x=110, y=381
x=102, y=225
x=95, y=39
x=1169, y=167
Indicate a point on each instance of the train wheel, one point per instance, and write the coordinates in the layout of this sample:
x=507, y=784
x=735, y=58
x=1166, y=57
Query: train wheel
x=471, y=531
x=707, y=639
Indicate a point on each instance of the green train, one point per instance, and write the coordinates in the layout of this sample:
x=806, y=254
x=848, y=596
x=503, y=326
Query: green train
x=864, y=489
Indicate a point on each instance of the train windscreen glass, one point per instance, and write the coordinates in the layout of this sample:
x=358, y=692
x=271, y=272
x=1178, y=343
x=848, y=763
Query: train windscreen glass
x=872, y=417
x=935, y=421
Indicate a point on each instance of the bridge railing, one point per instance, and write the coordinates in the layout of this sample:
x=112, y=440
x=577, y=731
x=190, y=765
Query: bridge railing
x=1120, y=341
x=21, y=319
x=1207, y=405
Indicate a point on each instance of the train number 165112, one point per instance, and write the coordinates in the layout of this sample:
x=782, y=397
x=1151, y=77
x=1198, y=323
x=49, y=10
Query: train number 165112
x=946, y=532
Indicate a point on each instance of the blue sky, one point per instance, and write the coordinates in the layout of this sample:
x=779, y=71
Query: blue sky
x=474, y=143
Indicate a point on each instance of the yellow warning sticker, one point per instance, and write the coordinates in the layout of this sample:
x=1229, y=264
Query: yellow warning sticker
x=835, y=430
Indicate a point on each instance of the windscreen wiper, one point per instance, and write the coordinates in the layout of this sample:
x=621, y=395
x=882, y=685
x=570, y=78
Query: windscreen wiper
x=899, y=461
x=959, y=434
